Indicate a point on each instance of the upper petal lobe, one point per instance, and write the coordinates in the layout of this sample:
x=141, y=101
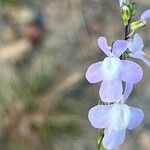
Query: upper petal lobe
x=119, y=47
x=102, y=42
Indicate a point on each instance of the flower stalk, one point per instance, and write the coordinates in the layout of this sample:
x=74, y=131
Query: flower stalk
x=112, y=117
x=100, y=137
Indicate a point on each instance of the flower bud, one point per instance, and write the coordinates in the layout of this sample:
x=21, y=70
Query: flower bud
x=133, y=8
x=125, y=11
x=136, y=25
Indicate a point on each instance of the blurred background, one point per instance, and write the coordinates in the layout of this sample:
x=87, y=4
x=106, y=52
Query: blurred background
x=45, y=49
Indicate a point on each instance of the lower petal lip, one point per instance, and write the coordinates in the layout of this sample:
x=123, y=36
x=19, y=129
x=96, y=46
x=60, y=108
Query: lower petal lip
x=111, y=91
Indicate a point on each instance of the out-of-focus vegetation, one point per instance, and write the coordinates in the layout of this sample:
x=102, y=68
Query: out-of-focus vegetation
x=45, y=49
x=13, y=2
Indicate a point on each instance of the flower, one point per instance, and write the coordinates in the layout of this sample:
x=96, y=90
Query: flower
x=145, y=16
x=115, y=118
x=135, y=46
x=112, y=71
x=134, y=26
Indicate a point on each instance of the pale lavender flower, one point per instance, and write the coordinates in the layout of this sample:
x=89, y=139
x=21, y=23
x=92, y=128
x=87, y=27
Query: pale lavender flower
x=145, y=16
x=115, y=118
x=136, y=46
x=112, y=71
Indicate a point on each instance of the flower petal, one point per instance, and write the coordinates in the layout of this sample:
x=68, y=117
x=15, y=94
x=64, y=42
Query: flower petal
x=111, y=91
x=93, y=74
x=145, y=15
x=138, y=54
x=113, y=139
x=102, y=42
x=138, y=42
x=131, y=72
x=128, y=90
x=135, y=46
x=137, y=116
x=119, y=47
x=145, y=61
x=99, y=116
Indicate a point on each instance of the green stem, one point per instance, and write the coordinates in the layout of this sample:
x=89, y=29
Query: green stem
x=126, y=33
x=100, y=137
x=99, y=144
